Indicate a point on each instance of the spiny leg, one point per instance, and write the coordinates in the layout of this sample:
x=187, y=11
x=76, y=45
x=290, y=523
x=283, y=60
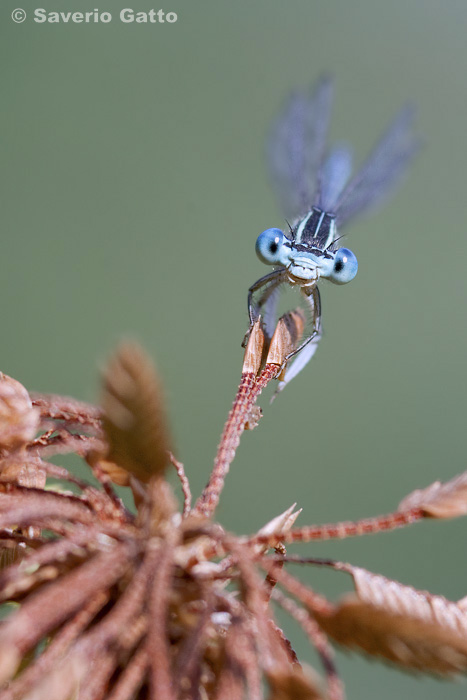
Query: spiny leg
x=273, y=279
x=313, y=300
x=267, y=285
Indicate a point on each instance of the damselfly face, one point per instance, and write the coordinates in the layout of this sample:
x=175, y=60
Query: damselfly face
x=319, y=194
x=306, y=262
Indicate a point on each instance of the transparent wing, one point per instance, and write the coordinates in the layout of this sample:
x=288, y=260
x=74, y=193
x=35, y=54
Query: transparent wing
x=296, y=148
x=383, y=169
x=335, y=173
x=298, y=363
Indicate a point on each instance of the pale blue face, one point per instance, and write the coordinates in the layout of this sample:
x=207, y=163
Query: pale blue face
x=274, y=248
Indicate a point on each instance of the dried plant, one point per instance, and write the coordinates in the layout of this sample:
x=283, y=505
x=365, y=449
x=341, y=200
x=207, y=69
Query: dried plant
x=107, y=602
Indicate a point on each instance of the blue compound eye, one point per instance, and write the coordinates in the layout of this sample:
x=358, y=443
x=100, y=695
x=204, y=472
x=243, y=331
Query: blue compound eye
x=269, y=246
x=345, y=266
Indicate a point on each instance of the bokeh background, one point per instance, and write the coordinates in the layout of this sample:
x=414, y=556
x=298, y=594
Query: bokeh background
x=133, y=188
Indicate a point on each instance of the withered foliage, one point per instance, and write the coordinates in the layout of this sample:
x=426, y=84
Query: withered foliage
x=159, y=602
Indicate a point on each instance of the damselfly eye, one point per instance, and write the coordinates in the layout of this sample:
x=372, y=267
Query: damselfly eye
x=269, y=246
x=345, y=266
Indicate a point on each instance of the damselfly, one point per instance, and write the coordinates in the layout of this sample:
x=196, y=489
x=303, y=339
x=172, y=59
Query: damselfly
x=319, y=197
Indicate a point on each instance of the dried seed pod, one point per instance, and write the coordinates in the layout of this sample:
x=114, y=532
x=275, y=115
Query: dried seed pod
x=440, y=500
x=134, y=415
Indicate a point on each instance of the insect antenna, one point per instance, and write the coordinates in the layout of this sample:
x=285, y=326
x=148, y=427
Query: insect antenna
x=335, y=241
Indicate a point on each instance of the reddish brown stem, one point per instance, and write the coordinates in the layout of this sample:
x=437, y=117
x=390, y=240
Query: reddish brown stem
x=132, y=677
x=318, y=639
x=158, y=648
x=67, y=409
x=367, y=526
x=248, y=391
x=25, y=509
x=313, y=601
x=287, y=644
x=97, y=676
x=62, y=474
x=231, y=680
x=255, y=594
x=63, y=442
x=185, y=484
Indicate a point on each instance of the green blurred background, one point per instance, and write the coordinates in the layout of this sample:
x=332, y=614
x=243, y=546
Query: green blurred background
x=132, y=191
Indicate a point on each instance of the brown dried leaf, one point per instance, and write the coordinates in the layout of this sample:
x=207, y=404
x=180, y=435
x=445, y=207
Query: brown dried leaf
x=406, y=600
x=293, y=684
x=253, y=349
x=288, y=332
x=19, y=421
x=401, y=624
x=448, y=500
x=134, y=416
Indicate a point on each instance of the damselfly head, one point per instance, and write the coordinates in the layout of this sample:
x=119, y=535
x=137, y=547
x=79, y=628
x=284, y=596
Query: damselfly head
x=305, y=263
